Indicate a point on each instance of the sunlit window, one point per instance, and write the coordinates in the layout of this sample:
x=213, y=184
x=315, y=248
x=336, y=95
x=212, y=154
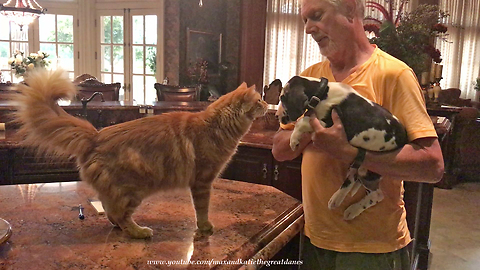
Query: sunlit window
x=56, y=38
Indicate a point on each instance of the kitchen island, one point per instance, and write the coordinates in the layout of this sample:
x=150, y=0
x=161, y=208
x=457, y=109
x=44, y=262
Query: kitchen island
x=252, y=222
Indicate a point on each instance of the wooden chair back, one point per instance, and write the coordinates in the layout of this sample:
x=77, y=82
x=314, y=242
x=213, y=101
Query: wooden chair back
x=176, y=93
x=6, y=89
x=86, y=89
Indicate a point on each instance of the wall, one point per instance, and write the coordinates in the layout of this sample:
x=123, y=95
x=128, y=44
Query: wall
x=215, y=16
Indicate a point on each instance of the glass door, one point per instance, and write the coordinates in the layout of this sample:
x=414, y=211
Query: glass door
x=128, y=52
x=112, y=50
x=56, y=36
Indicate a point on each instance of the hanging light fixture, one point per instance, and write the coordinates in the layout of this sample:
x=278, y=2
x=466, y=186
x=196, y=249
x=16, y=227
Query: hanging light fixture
x=21, y=12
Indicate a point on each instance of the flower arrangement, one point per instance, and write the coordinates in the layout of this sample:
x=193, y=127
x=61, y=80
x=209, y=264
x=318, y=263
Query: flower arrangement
x=477, y=85
x=21, y=64
x=198, y=73
x=408, y=36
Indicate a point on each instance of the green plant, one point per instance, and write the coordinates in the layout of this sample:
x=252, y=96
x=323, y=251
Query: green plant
x=408, y=36
x=21, y=64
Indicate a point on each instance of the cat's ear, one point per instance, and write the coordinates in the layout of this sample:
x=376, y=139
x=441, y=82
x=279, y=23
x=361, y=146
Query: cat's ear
x=252, y=88
x=243, y=85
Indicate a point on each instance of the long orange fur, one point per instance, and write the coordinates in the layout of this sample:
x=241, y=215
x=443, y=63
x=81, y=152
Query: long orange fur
x=127, y=162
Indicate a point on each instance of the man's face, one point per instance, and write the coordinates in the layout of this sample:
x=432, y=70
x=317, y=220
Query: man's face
x=328, y=27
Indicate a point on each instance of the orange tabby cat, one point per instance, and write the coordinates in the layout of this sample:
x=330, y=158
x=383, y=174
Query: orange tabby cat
x=129, y=161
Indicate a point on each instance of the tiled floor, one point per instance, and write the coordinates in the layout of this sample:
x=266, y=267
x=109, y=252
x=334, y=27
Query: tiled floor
x=455, y=228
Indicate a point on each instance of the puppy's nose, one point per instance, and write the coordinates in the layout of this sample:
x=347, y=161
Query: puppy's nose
x=285, y=120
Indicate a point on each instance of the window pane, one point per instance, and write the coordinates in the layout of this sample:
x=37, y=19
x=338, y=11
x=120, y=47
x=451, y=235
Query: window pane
x=106, y=78
x=138, y=59
x=47, y=28
x=118, y=29
x=49, y=48
x=138, y=89
x=65, y=56
x=118, y=59
x=65, y=28
x=151, y=29
x=106, y=28
x=138, y=29
x=106, y=58
x=151, y=93
x=151, y=60
x=4, y=25
x=120, y=78
x=4, y=55
x=18, y=34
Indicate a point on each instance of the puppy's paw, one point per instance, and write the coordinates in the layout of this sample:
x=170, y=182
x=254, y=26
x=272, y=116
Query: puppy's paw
x=294, y=142
x=353, y=211
x=337, y=198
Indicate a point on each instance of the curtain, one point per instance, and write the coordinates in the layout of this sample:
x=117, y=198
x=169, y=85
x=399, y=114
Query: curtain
x=288, y=50
x=461, y=47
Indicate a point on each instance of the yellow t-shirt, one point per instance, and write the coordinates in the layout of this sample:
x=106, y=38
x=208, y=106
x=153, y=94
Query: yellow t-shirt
x=383, y=227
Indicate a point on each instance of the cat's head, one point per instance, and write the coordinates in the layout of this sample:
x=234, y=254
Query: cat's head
x=252, y=103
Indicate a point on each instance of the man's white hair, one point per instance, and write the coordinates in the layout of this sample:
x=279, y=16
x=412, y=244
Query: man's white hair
x=340, y=5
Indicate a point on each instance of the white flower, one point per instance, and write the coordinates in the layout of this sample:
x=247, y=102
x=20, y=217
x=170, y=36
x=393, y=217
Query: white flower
x=11, y=60
x=40, y=55
x=33, y=55
x=30, y=66
x=18, y=61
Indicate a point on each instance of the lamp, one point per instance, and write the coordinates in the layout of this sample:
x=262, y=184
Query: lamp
x=21, y=12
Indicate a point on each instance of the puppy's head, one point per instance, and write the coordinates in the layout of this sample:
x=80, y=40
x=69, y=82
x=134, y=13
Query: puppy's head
x=295, y=96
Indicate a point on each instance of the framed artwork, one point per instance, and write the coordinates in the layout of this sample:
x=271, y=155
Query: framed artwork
x=204, y=46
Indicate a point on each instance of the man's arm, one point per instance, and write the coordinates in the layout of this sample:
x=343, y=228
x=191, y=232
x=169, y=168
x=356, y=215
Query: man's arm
x=281, y=145
x=420, y=161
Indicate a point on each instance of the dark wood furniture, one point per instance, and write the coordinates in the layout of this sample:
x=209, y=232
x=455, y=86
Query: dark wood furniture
x=86, y=89
x=167, y=92
x=6, y=89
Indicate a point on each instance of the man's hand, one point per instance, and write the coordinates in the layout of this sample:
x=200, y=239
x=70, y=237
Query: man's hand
x=332, y=140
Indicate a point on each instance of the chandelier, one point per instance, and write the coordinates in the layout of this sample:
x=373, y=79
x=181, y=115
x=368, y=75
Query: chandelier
x=21, y=12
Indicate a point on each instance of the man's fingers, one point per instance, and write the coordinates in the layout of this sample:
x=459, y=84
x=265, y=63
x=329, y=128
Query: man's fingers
x=316, y=126
x=335, y=118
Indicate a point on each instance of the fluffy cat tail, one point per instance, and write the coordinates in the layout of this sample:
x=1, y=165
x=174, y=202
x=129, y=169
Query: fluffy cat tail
x=43, y=124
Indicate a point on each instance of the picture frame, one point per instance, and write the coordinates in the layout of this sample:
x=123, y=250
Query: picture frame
x=204, y=46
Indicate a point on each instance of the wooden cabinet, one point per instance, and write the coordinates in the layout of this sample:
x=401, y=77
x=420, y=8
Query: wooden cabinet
x=257, y=165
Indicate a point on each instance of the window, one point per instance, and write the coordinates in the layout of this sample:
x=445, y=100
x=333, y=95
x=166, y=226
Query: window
x=53, y=33
x=56, y=38
x=128, y=52
x=11, y=40
x=461, y=50
x=288, y=49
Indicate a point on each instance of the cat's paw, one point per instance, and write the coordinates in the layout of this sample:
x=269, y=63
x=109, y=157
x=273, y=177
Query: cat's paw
x=204, y=230
x=140, y=232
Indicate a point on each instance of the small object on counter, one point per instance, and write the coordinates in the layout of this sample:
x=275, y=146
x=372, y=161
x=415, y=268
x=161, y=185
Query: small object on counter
x=97, y=204
x=80, y=215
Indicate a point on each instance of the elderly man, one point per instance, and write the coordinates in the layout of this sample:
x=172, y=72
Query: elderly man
x=377, y=238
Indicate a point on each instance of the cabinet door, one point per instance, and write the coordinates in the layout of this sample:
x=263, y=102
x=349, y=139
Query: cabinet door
x=3, y=166
x=253, y=165
x=287, y=177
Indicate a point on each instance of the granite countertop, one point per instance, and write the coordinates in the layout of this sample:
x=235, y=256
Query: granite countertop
x=251, y=222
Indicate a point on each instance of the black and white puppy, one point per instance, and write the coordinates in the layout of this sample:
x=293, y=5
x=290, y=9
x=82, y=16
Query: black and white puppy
x=367, y=125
